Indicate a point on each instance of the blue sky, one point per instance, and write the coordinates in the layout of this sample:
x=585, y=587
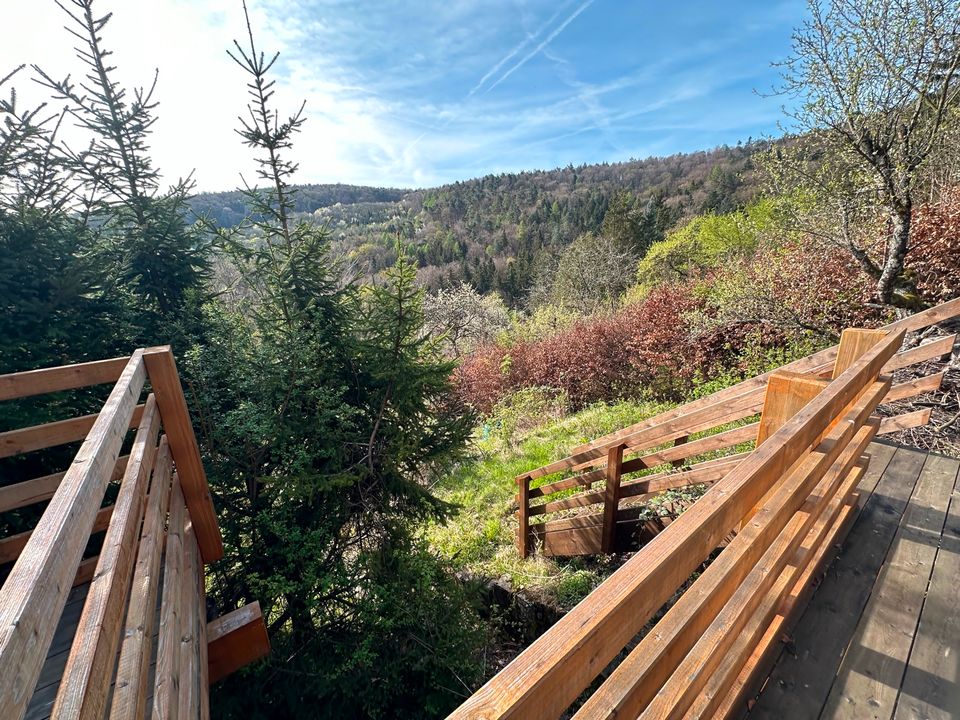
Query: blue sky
x=420, y=93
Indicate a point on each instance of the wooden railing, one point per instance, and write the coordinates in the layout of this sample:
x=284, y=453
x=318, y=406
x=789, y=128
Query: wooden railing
x=594, y=500
x=161, y=523
x=784, y=504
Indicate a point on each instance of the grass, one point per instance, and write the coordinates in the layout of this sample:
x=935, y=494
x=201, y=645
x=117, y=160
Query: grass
x=480, y=537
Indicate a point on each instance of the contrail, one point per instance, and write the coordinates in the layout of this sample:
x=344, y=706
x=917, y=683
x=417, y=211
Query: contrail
x=513, y=53
x=546, y=41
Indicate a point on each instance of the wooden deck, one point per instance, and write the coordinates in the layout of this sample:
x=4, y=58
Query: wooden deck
x=880, y=637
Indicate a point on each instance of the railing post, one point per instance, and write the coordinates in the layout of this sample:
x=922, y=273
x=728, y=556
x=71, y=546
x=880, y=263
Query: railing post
x=523, y=531
x=162, y=371
x=611, y=498
x=682, y=440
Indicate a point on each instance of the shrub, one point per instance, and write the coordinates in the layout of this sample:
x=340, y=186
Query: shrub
x=934, y=256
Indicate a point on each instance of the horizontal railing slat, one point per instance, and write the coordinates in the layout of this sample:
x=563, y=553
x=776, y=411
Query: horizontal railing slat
x=36, y=589
x=63, y=377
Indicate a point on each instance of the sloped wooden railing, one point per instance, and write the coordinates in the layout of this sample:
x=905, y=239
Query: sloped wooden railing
x=787, y=502
x=594, y=500
x=162, y=517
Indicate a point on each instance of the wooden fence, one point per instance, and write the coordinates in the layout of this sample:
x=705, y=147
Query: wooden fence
x=597, y=500
x=787, y=502
x=162, y=523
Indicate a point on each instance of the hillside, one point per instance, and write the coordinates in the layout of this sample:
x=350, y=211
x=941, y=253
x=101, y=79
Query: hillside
x=497, y=231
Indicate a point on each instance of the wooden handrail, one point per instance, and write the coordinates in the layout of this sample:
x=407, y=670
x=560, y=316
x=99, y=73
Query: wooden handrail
x=162, y=370
x=63, y=377
x=61, y=432
x=82, y=694
x=130, y=690
x=554, y=670
x=36, y=589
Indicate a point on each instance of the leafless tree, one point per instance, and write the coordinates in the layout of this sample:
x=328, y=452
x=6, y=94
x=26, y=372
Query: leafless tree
x=880, y=77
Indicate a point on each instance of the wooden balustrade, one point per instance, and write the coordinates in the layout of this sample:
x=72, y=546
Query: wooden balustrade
x=788, y=495
x=677, y=446
x=163, y=516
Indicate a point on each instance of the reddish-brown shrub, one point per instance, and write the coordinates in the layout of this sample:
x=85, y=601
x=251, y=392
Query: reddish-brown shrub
x=934, y=256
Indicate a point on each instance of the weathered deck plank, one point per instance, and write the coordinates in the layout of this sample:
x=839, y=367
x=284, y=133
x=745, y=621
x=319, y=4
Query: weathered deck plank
x=800, y=682
x=872, y=669
x=931, y=684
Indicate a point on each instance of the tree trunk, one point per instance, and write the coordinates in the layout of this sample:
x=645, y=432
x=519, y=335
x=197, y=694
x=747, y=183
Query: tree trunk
x=896, y=251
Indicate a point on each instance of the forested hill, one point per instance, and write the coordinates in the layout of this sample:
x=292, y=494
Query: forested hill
x=499, y=231
x=228, y=208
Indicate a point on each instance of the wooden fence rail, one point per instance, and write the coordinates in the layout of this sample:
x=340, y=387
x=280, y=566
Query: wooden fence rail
x=680, y=447
x=163, y=515
x=786, y=497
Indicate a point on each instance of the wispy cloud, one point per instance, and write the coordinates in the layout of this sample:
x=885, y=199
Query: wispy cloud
x=406, y=98
x=546, y=41
x=522, y=45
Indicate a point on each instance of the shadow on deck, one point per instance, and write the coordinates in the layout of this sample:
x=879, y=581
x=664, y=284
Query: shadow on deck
x=880, y=637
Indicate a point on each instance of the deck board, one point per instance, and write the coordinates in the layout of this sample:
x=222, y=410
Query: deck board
x=931, y=684
x=873, y=626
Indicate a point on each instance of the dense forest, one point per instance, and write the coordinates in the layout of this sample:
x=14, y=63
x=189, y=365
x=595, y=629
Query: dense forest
x=368, y=368
x=498, y=231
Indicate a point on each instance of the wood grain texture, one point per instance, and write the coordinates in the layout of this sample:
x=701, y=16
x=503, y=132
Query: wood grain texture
x=639, y=677
x=749, y=681
x=63, y=377
x=787, y=394
x=83, y=693
x=833, y=516
x=611, y=498
x=36, y=589
x=190, y=689
x=166, y=688
x=912, y=388
x=29, y=492
x=896, y=423
x=136, y=650
x=854, y=342
x=931, y=683
x=869, y=678
x=165, y=380
x=61, y=432
x=800, y=683
x=11, y=547
x=235, y=640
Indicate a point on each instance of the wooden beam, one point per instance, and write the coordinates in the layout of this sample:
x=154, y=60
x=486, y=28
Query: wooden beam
x=912, y=388
x=705, y=472
x=674, y=698
x=190, y=687
x=523, y=518
x=61, y=432
x=546, y=677
x=917, y=418
x=235, y=640
x=130, y=690
x=932, y=350
x=165, y=380
x=739, y=655
x=11, y=547
x=787, y=394
x=29, y=492
x=611, y=497
x=83, y=694
x=639, y=677
x=166, y=687
x=64, y=377
x=35, y=592
x=854, y=342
